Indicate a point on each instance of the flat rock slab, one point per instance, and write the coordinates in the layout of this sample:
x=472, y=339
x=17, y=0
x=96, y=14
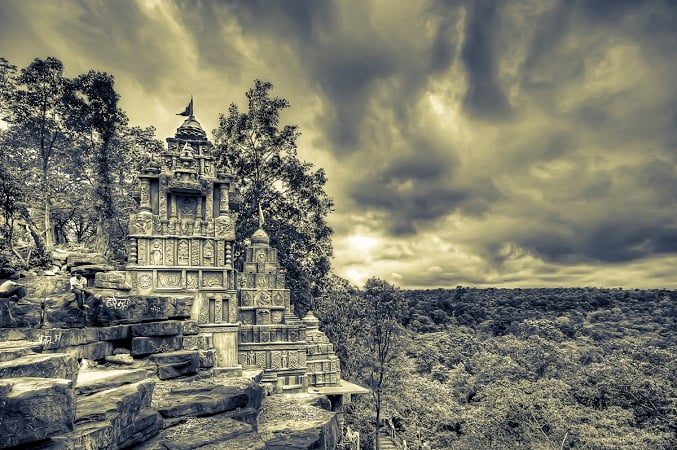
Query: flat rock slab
x=12, y=350
x=296, y=422
x=216, y=432
x=56, y=365
x=206, y=397
x=32, y=409
x=99, y=380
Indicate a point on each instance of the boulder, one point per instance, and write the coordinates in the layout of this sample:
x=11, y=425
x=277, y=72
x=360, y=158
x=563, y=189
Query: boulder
x=32, y=409
x=56, y=365
x=124, y=359
x=150, y=345
x=176, y=364
x=166, y=328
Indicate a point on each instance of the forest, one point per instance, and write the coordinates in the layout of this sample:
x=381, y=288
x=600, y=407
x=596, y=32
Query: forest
x=583, y=368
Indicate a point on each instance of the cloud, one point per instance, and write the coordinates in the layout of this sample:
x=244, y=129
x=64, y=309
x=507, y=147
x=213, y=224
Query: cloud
x=521, y=143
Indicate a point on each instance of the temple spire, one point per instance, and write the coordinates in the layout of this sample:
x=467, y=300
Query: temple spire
x=261, y=220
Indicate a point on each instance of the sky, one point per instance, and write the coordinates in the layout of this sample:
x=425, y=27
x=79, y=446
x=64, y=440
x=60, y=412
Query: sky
x=522, y=143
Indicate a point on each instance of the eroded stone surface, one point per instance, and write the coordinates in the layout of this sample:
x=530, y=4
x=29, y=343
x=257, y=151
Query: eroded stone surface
x=150, y=345
x=99, y=380
x=207, y=397
x=165, y=328
x=57, y=365
x=32, y=409
x=176, y=364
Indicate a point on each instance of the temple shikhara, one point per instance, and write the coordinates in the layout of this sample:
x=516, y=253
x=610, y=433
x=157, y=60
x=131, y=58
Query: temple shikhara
x=181, y=250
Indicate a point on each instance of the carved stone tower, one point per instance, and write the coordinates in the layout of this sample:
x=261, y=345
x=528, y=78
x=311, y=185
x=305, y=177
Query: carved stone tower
x=181, y=240
x=271, y=336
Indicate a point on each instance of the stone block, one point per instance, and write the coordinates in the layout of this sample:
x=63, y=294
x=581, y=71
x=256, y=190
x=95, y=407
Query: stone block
x=190, y=327
x=207, y=359
x=97, y=381
x=116, y=309
x=12, y=350
x=56, y=365
x=94, y=351
x=199, y=342
x=84, y=259
x=209, y=397
x=150, y=345
x=59, y=338
x=112, y=280
x=146, y=425
x=176, y=364
x=114, y=333
x=148, y=329
x=35, y=409
x=125, y=360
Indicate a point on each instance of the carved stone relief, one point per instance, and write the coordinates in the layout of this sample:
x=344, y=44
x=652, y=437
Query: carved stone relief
x=145, y=281
x=276, y=317
x=209, y=254
x=169, y=279
x=212, y=279
x=195, y=253
x=169, y=253
x=278, y=299
x=276, y=360
x=143, y=252
x=262, y=299
x=191, y=280
x=156, y=253
x=247, y=298
x=262, y=317
x=261, y=359
x=183, y=256
x=293, y=359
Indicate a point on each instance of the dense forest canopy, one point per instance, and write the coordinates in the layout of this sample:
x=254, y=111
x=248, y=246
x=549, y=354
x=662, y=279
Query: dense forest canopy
x=543, y=368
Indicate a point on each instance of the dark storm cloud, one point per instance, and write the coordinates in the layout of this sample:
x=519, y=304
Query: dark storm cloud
x=485, y=97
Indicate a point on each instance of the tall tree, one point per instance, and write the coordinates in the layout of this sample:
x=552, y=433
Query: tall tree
x=385, y=308
x=99, y=119
x=263, y=157
x=38, y=116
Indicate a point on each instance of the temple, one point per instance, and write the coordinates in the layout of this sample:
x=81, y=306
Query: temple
x=181, y=243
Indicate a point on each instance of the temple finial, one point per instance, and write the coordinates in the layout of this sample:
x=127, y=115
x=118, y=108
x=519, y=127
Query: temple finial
x=261, y=220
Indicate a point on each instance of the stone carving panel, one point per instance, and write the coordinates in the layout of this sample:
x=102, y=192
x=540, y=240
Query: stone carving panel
x=224, y=228
x=247, y=298
x=142, y=257
x=195, y=253
x=276, y=317
x=261, y=360
x=293, y=359
x=169, y=279
x=276, y=360
x=191, y=280
x=187, y=207
x=212, y=279
x=262, y=317
x=169, y=253
x=218, y=311
x=141, y=223
x=262, y=299
x=183, y=255
x=278, y=299
x=209, y=253
x=156, y=253
x=145, y=280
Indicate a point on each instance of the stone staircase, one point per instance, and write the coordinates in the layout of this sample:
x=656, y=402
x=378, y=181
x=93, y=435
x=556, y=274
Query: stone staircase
x=386, y=442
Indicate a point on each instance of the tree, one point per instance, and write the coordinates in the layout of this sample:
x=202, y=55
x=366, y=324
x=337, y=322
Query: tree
x=38, y=116
x=385, y=308
x=99, y=119
x=263, y=157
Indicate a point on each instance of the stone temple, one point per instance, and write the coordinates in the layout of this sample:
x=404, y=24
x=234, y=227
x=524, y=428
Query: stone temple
x=181, y=250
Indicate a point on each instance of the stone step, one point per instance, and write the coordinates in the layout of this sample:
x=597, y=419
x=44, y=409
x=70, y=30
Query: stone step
x=10, y=350
x=176, y=364
x=101, y=380
x=112, y=418
x=32, y=409
x=53, y=365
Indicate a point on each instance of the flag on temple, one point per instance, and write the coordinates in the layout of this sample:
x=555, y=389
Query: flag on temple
x=189, y=109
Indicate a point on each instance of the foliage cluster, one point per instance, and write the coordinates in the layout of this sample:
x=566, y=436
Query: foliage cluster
x=67, y=161
x=524, y=368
